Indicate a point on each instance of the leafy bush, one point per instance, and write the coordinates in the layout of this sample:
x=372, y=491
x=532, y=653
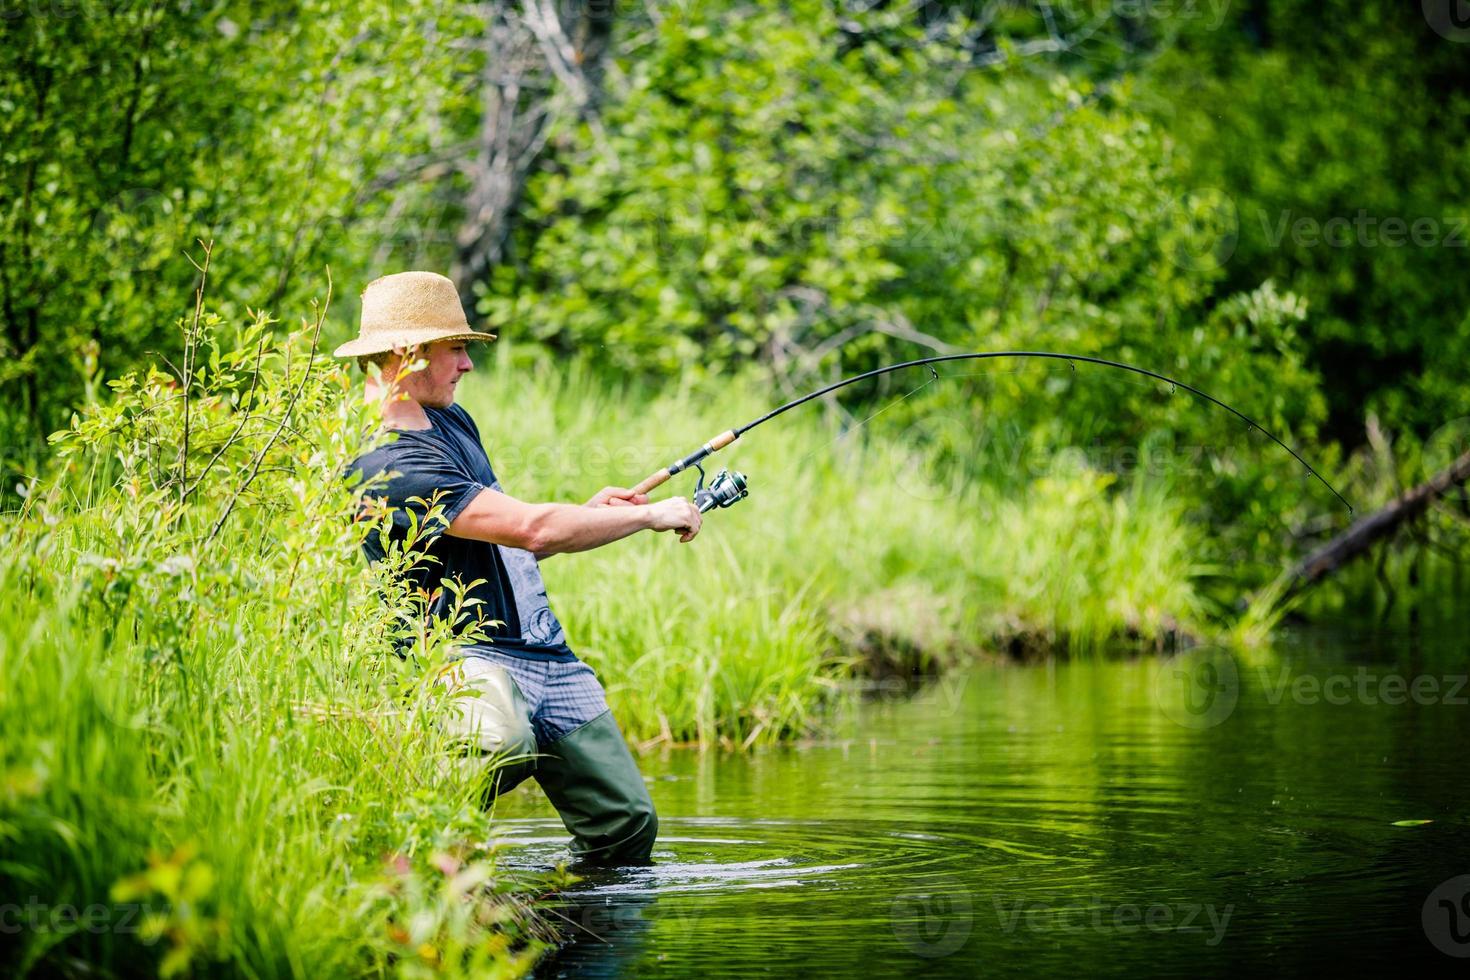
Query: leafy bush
x=204, y=717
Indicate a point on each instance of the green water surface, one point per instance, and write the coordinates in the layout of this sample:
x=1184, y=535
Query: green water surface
x=1208, y=814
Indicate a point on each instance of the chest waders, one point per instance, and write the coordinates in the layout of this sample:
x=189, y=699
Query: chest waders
x=588, y=774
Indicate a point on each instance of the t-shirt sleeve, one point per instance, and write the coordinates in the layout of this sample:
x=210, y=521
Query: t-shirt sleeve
x=418, y=471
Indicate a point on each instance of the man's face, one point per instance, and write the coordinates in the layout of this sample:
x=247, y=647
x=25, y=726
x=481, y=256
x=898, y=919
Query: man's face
x=449, y=360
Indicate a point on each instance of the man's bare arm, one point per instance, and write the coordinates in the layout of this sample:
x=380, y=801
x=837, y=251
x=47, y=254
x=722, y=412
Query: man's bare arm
x=549, y=529
x=606, y=497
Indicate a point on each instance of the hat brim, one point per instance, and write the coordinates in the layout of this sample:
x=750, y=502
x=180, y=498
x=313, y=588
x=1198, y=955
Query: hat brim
x=384, y=344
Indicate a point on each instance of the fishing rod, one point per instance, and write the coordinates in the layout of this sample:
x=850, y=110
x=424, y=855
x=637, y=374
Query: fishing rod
x=728, y=487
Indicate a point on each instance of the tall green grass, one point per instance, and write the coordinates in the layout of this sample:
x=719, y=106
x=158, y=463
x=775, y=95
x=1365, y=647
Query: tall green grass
x=212, y=763
x=853, y=553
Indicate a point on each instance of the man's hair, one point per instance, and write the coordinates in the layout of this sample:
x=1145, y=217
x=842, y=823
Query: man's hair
x=380, y=359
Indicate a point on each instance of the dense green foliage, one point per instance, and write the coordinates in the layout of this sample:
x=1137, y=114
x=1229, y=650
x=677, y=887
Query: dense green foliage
x=1342, y=152
x=209, y=748
x=755, y=199
x=762, y=182
x=130, y=131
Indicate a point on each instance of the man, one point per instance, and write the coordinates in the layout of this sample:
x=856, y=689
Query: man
x=529, y=698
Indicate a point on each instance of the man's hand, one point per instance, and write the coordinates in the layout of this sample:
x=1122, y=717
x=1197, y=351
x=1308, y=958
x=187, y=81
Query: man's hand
x=676, y=514
x=616, y=497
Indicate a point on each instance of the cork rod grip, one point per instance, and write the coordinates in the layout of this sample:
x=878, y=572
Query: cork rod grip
x=652, y=481
x=713, y=446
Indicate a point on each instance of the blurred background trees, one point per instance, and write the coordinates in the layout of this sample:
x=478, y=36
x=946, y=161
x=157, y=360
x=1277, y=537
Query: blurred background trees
x=1266, y=198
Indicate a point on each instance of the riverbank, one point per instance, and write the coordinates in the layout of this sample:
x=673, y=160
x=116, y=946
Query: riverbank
x=212, y=763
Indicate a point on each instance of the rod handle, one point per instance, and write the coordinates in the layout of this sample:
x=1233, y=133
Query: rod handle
x=713, y=446
x=652, y=481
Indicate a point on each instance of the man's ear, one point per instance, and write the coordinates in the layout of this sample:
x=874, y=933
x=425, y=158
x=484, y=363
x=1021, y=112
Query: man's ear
x=394, y=364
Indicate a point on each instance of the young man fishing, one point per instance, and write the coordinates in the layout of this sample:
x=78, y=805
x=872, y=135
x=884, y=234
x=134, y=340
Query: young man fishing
x=528, y=696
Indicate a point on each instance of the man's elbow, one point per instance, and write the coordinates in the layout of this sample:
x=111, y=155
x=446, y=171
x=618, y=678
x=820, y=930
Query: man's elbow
x=534, y=528
x=541, y=532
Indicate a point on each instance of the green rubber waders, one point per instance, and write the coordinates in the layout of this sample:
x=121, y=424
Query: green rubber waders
x=590, y=777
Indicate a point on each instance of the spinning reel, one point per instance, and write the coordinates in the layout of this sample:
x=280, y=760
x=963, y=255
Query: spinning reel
x=724, y=490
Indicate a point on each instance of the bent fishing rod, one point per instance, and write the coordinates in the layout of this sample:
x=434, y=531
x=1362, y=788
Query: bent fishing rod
x=726, y=488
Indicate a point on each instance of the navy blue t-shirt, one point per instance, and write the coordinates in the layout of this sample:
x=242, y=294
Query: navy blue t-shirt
x=449, y=458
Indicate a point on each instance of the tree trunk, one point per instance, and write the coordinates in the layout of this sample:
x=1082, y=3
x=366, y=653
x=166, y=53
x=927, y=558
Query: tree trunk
x=539, y=61
x=1376, y=526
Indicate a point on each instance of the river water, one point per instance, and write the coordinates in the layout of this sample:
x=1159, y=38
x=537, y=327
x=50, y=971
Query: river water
x=1201, y=815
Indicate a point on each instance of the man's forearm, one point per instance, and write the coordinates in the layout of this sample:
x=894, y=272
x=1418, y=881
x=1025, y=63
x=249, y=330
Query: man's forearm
x=560, y=528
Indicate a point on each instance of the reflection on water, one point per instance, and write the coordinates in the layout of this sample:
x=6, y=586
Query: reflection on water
x=1211, y=814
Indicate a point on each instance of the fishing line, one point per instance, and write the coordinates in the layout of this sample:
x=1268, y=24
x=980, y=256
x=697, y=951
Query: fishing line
x=727, y=487
x=894, y=403
x=991, y=375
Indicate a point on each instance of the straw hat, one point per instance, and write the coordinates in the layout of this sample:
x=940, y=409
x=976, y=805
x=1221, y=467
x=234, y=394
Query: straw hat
x=409, y=308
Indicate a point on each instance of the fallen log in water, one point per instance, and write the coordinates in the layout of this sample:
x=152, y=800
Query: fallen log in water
x=1364, y=532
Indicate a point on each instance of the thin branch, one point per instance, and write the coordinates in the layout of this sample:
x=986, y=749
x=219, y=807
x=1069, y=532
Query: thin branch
x=191, y=344
x=230, y=441
x=290, y=404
